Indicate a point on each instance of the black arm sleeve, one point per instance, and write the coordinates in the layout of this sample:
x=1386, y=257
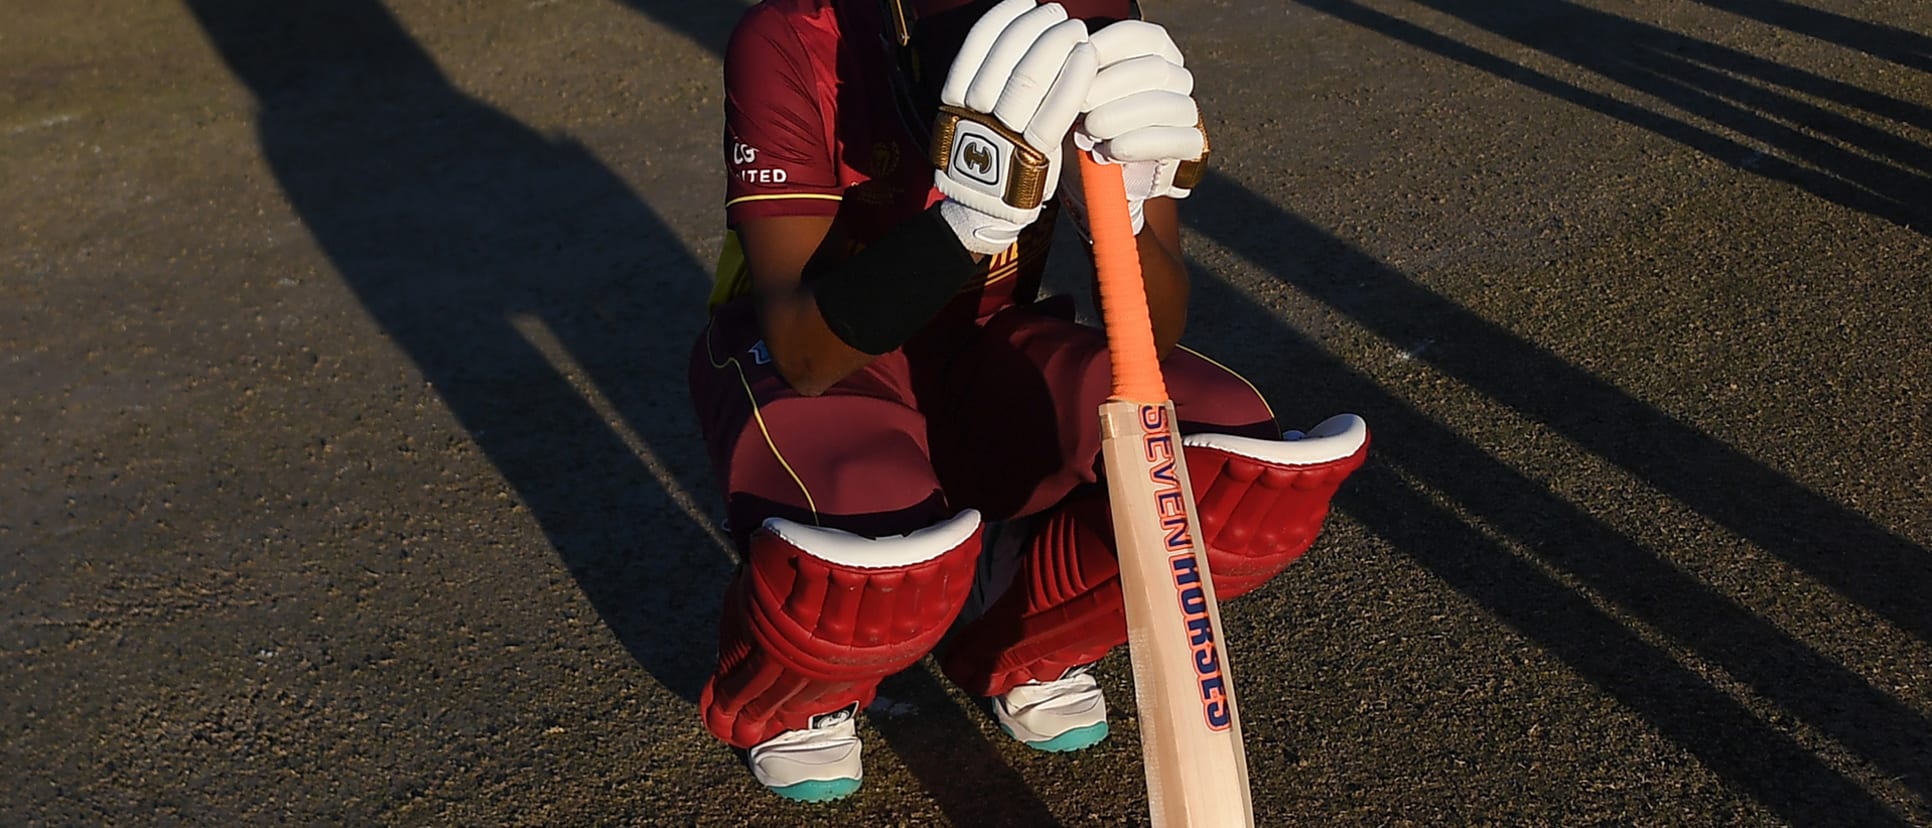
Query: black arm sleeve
x=881, y=296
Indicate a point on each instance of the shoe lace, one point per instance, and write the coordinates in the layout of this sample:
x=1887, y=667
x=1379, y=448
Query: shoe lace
x=834, y=718
x=1074, y=681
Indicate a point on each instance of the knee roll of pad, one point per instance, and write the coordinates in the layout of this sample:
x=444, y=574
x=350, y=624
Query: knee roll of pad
x=1261, y=503
x=817, y=616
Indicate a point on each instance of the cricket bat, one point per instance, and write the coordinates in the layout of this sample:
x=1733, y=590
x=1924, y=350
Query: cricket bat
x=1190, y=729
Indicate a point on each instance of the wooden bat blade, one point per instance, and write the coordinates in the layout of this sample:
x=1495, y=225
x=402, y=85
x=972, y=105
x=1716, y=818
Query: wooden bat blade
x=1197, y=769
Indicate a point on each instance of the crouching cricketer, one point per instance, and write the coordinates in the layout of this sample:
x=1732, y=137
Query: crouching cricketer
x=904, y=429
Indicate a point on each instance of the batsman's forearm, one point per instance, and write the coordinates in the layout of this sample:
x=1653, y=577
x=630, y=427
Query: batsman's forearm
x=1164, y=271
x=805, y=351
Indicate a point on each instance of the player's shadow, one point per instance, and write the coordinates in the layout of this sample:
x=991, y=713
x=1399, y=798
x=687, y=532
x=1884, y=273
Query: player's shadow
x=1837, y=545
x=1905, y=48
x=1825, y=152
x=494, y=257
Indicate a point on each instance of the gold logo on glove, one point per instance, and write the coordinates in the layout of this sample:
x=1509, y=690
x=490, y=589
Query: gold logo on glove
x=1025, y=186
x=978, y=156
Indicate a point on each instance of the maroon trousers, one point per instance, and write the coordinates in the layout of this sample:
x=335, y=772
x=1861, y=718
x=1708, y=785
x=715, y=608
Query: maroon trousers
x=998, y=416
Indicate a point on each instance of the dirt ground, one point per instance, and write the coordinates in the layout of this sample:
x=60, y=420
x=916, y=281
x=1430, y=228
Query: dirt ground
x=347, y=474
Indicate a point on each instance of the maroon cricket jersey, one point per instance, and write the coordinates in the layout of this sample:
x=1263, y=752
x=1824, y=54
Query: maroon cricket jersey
x=812, y=129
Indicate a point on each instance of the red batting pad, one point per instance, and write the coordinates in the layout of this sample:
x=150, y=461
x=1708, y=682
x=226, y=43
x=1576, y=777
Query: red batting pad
x=803, y=635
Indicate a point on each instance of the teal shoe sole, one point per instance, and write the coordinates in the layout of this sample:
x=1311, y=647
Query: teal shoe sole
x=818, y=790
x=1079, y=738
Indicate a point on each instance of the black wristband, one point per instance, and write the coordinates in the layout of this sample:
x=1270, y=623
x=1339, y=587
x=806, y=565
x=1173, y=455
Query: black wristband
x=882, y=295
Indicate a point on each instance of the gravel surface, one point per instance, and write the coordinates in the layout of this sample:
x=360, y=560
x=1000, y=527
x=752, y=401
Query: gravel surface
x=347, y=474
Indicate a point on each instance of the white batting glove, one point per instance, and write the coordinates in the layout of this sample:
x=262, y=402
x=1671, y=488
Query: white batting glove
x=1011, y=96
x=1141, y=114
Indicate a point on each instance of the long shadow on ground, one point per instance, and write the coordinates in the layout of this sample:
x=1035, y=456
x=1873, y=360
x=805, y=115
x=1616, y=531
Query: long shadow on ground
x=1823, y=152
x=1905, y=48
x=1753, y=757
x=476, y=243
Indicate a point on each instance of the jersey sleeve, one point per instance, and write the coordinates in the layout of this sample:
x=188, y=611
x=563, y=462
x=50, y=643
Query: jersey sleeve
x=777, y=139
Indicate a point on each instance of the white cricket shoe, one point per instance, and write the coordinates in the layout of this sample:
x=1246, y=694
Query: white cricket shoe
x=817, y=764
x=1066, y=714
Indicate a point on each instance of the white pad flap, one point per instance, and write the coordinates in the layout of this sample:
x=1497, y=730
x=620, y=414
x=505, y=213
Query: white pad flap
x=1335, y=438
x=838, y=546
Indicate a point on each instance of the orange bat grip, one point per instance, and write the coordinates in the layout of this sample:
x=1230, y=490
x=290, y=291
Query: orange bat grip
x=1123, y=296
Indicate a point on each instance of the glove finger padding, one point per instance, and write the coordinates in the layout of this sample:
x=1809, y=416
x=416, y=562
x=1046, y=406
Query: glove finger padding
x=1137, y=74
x=1155, y=143
x=1133, y=38
x=1045, y=93
x=1034, y=80
x=1153, y=108
x=1019, y=82
x=1141, y=114
x=978, y=44
x=1141, y=85
x=1034, y=39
